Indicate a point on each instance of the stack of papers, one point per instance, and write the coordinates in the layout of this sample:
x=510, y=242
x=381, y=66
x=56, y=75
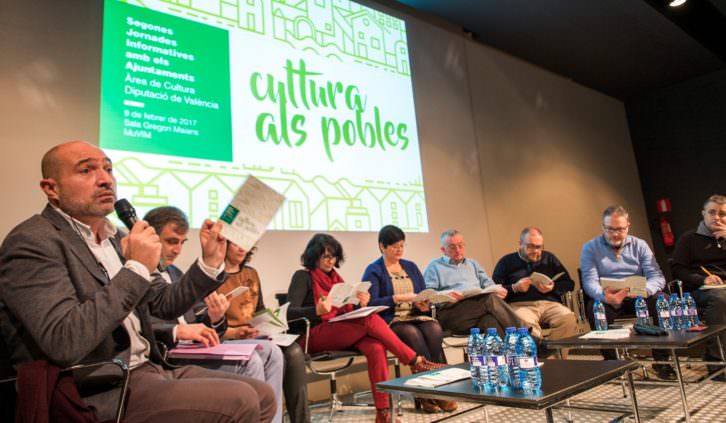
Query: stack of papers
x=720, y=286
x=227, y=351
x=273, y=324
x=607, y=334
x=442, y=377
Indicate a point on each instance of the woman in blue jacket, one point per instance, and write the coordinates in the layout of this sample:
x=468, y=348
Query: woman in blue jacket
x=395, y=283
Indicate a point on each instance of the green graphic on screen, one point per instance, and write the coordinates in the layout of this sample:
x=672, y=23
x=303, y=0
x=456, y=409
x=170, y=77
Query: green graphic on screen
x=313, y=97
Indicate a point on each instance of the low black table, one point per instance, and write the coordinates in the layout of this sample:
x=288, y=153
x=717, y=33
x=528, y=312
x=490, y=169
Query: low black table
x=561, y=380
x=676, y=340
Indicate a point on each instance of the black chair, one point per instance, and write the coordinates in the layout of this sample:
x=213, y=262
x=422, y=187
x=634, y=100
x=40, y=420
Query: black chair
x=9, y=397
x=320, y=364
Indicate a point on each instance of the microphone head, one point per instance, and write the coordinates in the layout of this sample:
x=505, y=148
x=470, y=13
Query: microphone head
x=125, y=212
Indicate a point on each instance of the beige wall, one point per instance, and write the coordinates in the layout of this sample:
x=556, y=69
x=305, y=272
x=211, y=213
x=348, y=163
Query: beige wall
x=553, y=154
x=503, y=143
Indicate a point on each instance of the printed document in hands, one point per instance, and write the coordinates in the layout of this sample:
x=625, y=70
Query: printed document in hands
x=273, y=324
x=433, y=296
x=344, y=293
x=475, y=292
x=636, y=284
x=246, y=217
x=358, y=313
x=544, y=280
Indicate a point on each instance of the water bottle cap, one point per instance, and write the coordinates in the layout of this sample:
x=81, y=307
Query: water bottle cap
x=511, y=329
x=474, y=331
x=674, y=295
x=687, y=294
x=491, y=331
x=639, y=297
x=523, y=331
x=661, y=296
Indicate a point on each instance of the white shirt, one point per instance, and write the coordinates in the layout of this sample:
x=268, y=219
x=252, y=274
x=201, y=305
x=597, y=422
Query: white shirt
x=108, y=258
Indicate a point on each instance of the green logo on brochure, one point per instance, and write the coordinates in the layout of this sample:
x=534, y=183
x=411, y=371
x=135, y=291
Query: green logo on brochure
x=229, y=214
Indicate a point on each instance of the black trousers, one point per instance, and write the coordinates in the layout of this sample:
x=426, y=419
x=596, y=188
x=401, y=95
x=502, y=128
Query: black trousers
x=627, y=307
x=294, y=385
x=482, y=311
x=712, y=310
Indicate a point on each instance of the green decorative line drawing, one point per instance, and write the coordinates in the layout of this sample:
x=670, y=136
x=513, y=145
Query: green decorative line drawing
x=341, y=205
x=336, y=29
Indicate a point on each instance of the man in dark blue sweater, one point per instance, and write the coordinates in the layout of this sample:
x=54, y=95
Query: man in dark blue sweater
x=533, y=299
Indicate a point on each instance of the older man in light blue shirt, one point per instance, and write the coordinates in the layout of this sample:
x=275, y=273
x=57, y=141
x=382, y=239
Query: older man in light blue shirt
x=457, y=273
x=615, y=254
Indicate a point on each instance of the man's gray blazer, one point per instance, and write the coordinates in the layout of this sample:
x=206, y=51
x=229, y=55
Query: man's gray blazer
x=57, y=304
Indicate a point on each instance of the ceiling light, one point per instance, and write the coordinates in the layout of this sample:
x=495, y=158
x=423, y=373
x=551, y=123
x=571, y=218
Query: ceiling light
x=676, y=3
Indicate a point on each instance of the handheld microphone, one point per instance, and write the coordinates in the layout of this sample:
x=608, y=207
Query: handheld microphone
x=126, y=212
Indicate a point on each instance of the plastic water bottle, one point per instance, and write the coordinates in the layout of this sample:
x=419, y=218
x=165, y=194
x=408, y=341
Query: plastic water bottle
x=510, y=352
x=530, y=377
x=690, y=310
x=473, y=349
x=641, y=311
x=598, y=311
x=664, y=314
x=490, y=379
x=676, y=309
x=497, y=362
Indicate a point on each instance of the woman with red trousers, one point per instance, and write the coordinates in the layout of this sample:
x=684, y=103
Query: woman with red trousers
x=370, y=335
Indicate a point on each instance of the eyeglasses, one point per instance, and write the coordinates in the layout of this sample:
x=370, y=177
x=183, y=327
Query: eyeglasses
x=534, y=247
x=611, y=230
x=328, y=257
x=459, y=246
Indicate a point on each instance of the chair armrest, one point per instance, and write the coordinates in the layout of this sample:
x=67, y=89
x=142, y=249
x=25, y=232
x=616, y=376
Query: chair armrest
x=122, y=365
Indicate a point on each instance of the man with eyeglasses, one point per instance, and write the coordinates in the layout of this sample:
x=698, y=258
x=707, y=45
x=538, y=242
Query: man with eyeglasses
x=537, y=303
x=456, y=273
x=616, y=254
x=700, y=259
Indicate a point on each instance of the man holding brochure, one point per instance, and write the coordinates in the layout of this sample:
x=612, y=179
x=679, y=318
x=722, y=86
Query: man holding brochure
x=535, y=281
x=455, y=274
x=208, y=325
x=615, y=254
x=73, y=291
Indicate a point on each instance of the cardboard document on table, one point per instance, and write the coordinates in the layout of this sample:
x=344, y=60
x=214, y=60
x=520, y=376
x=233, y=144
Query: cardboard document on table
x=607, y=334
x=273, y=324
x=358, y=313
x=439, y=378
x=636, y=284
x=252, y=208
x=345, y=293
x=544, y=280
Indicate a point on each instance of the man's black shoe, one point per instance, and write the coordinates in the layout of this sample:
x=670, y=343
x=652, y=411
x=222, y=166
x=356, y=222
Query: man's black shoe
x=714, y=368
x=664, y=371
